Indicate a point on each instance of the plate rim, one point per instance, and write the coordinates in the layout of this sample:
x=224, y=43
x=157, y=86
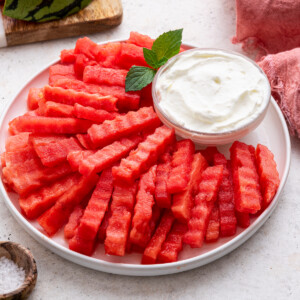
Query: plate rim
x=139, y=269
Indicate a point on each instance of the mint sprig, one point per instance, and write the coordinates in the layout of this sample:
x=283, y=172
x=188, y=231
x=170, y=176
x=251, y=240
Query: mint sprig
x=139, y=77
x=164, y=47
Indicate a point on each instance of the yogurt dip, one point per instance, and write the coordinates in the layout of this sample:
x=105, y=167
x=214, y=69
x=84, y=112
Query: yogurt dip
x=211, y=91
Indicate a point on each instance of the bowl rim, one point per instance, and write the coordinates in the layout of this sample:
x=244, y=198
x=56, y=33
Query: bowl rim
x=30, y=277
x=203, y=133
x=139, y=269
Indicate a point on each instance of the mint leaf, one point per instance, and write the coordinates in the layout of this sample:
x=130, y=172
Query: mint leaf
x=167, y=44
x=151, y=58
x=162, y=62
x=138, y=77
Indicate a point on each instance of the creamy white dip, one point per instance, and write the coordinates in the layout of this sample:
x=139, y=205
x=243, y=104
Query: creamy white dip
x=211, y=91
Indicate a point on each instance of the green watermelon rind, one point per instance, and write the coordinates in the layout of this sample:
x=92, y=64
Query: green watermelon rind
x=42, y=10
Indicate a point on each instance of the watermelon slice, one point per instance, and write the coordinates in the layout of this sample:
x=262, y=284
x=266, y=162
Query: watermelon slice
x=220, y=159
x=146, y=96
x=131, y=55
x=108, y=155
x=76, y=157
x=204, y=203
x=2, y=159
x=52, y=154
x=122, y=126
x=154, y=247
x=12, y=128
x=87, y=47
x=124, y=196
x=209, y=154
x=19, y=156
x=74, y=220
x=17, y=142
x=61, y=71
x=242, y=155
x=247, y=192
x=42, y=139
x=173, y=243
x=268, y=174
x=141, y=40
x=162, y=197
x=97, y=206
x=71, y=97
x=116, y=242
x=181, y=166
x=104, y=225
x=81, y=245
x=93, y=214
x=85, y=141
x=144, y=156
x=123, y=200
x=183, y=202
x=32, y=176
x=243, y=219
x=213, y=228
x=96, y=115
x=156, y=214
x=54, y=218
x=100, y=75
x=108, y=55
x=53, y=109
x=39, y=201
x=67, y=56
x=210, y=182
x=126, y=101
x=73, y=223
x=226, y=198
x=81, y=63
x=37, y=124
x=24, y=171
x=35, y=97
x=143, y=208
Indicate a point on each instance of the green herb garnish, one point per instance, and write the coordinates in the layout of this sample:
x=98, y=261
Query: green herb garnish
x=164, y=47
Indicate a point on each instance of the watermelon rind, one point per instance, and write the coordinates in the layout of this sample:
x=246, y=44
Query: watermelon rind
x=42, y=10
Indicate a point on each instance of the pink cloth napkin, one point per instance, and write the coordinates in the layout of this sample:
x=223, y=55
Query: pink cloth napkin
x=269, y=26
x=283, y=71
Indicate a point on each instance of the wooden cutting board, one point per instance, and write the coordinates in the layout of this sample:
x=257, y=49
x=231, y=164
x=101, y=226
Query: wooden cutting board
x=97, y=16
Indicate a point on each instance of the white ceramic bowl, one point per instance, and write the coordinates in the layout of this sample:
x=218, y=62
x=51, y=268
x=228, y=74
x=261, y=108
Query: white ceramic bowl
x=201, y=137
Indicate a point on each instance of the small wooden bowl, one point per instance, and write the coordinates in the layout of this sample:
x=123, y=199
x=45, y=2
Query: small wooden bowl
x=24, y=259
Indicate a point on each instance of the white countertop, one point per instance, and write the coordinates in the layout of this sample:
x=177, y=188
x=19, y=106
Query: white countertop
x=266, y=266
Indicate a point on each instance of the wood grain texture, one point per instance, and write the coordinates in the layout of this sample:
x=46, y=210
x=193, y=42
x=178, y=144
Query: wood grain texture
x=97, y=16
x=24, y=259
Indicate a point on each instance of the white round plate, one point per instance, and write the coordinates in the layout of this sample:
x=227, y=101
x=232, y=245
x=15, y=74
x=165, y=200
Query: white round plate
x=272, y=132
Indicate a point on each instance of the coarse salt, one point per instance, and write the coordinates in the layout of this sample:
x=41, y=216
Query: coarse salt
x=11, y=276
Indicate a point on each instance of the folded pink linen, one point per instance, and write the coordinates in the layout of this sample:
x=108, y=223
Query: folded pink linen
x=269, y=26
x=283, y=71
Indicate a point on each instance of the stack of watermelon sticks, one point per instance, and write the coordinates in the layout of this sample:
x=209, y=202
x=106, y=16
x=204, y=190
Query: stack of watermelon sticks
x=96, y=161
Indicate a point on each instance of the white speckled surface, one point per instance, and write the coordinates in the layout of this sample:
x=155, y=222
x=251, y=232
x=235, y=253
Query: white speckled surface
x=265, y=267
